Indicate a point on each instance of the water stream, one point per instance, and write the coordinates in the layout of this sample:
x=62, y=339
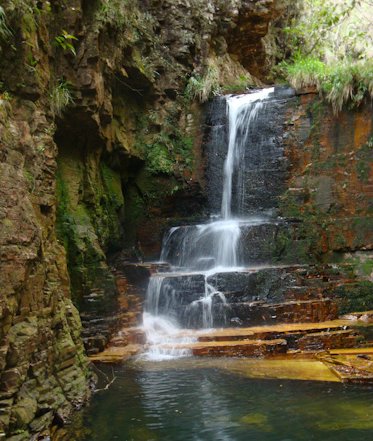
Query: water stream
x=185, y=297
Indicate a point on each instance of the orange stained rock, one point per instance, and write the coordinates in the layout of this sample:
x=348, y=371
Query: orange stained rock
x=363, y=128
x=352, y=351
x=283, y=369
x=279, y=328
x=116, y=354
x=241, y=348
x=351, y=366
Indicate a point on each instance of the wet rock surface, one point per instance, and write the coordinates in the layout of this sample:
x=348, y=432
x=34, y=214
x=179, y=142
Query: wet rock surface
x=264, y=165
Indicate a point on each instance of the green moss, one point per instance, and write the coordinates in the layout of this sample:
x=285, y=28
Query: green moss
x=158, y=156
x=361, y=265
x=240, y=85
x=340, y=242
x=362, y=228
x=30, y=178
x=367, y=267
x=170, y=150
x=363, y=164
x=145, y=196
x=86, y=230
x=355, y=296
x=113, y=184
x=315, y=111
x=135, y=212
x=63, y=218
x=363, y=170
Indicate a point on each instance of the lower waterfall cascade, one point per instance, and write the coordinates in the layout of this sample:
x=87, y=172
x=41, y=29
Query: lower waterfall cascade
x=188, y=296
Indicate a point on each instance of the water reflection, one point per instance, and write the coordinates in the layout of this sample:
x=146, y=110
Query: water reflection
x=180, y=404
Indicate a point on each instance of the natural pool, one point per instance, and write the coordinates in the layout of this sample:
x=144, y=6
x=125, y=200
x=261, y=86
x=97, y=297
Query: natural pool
x=205, y=401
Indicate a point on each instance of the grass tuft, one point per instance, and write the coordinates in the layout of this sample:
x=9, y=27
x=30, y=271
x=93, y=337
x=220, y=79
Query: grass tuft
x=60, y=97
x=340, y=83
x=201, y=88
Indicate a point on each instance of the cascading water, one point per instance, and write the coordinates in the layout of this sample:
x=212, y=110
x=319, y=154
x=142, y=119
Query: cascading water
x=186, y=297
x=242, y=113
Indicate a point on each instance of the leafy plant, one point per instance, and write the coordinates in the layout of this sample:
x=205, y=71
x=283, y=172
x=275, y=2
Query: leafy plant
x=65, y=41
x=5, y=31
x=126, y=17
x=327, y=28
x=61, y=97
x=158, y=159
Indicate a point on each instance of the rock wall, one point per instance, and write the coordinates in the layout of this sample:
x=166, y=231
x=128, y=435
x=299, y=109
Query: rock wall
x=330, y=182
x=263, y=168
x=43, y=370
x=329, y=194
x=313, y=169
x=99, y=152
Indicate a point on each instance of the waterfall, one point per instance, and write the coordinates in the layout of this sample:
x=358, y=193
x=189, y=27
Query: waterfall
x=186, y=297
x=242, y=111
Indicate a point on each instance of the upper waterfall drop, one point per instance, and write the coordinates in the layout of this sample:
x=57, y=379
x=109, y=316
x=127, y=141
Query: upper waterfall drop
x=242, y=111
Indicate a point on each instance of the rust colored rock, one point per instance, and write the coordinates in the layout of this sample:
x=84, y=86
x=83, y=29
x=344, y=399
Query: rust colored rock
x=39, y=327
x=243, y=348
x=328, y=340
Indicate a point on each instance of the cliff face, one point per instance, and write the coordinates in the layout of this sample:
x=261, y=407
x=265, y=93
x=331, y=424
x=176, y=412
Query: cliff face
x=42, y=363
x=329, y=194
x=99, y=152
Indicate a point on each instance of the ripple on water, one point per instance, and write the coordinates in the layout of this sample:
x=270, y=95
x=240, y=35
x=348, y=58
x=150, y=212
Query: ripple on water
x=172, y=402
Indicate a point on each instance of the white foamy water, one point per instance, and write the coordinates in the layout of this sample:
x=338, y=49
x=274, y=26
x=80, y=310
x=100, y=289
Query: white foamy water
x=163, y=338
x=185, y=298
x=205, y=246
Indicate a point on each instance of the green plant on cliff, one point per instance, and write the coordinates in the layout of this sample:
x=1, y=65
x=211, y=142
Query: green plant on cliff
x=363, y=163
x=158, y=158
x=203, y=87
x=169, y=150
x=5, y=31
x=331, y=43
x=115, y=12
x=238, y=86
x=60, y=97
x=169, y=153
x=127, y=17
x=340, y=83
x=65, y=42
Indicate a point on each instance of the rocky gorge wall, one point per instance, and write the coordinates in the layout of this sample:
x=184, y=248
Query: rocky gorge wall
x=329, y=194
x=99, y=152
x=44, y=372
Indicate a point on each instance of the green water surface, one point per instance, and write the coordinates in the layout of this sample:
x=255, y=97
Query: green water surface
x=182, y=402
